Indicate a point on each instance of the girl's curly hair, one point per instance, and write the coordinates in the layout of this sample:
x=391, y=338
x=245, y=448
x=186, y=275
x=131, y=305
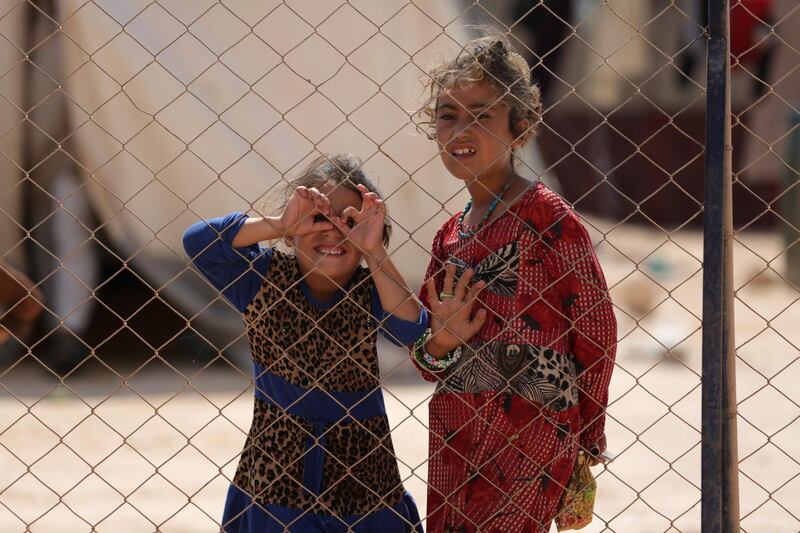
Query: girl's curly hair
x=490, y=59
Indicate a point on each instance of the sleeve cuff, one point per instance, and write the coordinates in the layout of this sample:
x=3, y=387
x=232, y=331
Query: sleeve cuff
x=594, y=447
x=404, y=332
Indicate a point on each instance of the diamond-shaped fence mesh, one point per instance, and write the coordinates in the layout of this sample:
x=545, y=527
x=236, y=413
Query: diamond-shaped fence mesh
x=127, y=387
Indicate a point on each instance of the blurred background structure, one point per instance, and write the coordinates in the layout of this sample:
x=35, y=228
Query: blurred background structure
x=125, y=403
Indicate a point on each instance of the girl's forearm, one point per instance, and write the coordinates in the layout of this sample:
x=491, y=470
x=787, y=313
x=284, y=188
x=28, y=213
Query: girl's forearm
x=396, y=298
x=255, y=230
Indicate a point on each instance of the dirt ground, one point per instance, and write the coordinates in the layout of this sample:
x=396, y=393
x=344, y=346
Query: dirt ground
x=152, y=448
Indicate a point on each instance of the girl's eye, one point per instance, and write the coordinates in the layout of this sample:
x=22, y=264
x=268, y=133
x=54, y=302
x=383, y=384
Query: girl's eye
x=484, y=115
x=446, y=116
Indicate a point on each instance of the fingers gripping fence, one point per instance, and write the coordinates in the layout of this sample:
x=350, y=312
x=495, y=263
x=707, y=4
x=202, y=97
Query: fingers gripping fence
x=126, y=394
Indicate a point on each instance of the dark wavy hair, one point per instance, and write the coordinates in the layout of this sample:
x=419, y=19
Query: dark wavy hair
x=490, y=59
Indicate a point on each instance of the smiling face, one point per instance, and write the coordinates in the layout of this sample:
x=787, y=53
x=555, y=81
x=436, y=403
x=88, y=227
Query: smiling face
x=327, y=257
x=473, y=132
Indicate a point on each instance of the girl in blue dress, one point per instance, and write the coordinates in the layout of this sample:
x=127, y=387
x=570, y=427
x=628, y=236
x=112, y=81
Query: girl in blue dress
x=318, y=456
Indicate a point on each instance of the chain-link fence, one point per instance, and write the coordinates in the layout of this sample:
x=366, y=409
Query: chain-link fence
x=126, y=389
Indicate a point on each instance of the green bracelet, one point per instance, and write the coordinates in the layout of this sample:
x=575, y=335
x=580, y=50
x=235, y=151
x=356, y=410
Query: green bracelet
x=429, y=362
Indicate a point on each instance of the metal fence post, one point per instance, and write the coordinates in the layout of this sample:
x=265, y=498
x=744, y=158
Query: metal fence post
x=720, y=500
x=789, y=205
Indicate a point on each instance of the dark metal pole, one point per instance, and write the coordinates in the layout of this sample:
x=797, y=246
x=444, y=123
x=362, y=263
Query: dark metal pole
x=720, y=497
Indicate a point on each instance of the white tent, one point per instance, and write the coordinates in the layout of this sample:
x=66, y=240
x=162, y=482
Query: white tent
x=180, y=110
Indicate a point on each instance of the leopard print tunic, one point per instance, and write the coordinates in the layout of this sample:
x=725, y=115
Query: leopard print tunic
x=332, y=350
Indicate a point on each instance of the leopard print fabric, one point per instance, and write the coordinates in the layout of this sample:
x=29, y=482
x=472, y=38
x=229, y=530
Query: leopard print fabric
x=364, y=471
x=360, y=474
x=303, y=344
x=539, y=374
x=271, y=465
x=335, y=350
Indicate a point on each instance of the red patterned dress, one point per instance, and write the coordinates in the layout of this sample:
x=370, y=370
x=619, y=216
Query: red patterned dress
x=507, y=419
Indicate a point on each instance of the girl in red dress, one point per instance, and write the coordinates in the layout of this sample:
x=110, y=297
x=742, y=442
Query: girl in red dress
x=522, y=337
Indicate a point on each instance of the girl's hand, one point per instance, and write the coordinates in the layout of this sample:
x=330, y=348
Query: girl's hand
x=364, y=227
x=301, y=214
x=451, y=325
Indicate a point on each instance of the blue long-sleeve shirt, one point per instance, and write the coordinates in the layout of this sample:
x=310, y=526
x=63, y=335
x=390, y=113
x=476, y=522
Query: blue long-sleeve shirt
x=238, y=273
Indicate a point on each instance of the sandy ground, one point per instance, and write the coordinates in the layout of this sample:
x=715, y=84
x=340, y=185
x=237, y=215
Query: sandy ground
x=153, y=449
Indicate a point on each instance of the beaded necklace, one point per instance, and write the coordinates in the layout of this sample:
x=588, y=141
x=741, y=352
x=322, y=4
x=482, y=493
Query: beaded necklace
x=465, y=232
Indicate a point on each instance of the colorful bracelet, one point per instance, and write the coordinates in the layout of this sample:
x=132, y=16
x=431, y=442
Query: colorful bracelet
x=429, y=362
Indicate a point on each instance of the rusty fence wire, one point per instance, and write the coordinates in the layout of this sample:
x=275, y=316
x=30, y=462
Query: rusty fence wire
x=126, y=406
